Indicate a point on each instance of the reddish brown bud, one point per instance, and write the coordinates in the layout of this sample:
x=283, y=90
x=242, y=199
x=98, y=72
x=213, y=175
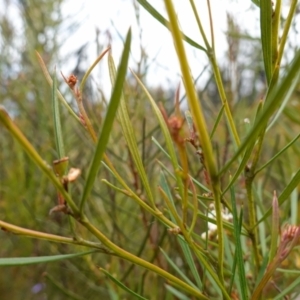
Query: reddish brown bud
x=71, y=81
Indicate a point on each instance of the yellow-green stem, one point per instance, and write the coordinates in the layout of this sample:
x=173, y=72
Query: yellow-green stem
x=184, y=164
x=252, y=221
x=88, y=124
x=268, y=274
x=223, y=97
x=50, y=81
x=32, y=153
x=211, y=56
x=89, y=71
x=139, y=261
x=201, y=127
x=47, y=236
x=285, y=31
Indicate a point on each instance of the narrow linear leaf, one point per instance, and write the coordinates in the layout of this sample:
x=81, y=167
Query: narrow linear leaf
x=278, y=154
x=166, y=133
x=285, y=194
x=176, y=293
x=35, y=157
x=275, y=97
x=294, y=207
x=70, y=295
x=241, y=167
x=156, y=15
x=177, y=269
x=218, y=119
x=121, y=285
x=246, y=156
x=282, y=106
x=256, y=2
x=21, y=261
x=288, y=290
x=275, y=228
x=49, y=80
x=200, y=185
x=262, y=270
x=56, y=120
x=239, y=251
x=108, y=122
x=91, y=68
x=190, y=260
x=266, y=35
x=288, y=271
x=129, y=135
x=185, y=248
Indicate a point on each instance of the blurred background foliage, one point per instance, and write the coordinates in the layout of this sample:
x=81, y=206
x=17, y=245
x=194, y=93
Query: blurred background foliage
x=26, y=196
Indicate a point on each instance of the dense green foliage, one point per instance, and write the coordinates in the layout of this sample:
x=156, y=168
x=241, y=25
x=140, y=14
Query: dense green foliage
x=152, y=201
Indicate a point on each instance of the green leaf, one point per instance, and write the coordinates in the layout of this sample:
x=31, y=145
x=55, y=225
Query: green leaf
x=156, y=15
x=288, y=290
x=218, y=119
x=50, y=81
x=108, y=122
x=21, y=261
x=59, y=287
x=91, y=68
x=285, y=194
x=129, y=135
x=237, y=222
x=174, y=216
x=56, y=120
x=170, y=146
x=121, y=285
x=274, y=99
x=282, y=106
x=176, y=293
x=275, y=228
x=177, y=269
x=278, y=154
x=266, y=35
x=35, y=157
x=294, y=207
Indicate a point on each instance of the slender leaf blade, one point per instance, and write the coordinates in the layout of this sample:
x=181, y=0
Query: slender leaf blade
x=266, y=35
x=129, y=135
x=239, y=251
x=56, y=120
x=177, y=269
x=176, y=293
x=121, y=285
x=108, y=122
x=21, y=261
x=156, y=15
x=275, y=98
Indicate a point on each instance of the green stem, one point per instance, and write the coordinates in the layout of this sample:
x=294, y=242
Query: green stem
x=32, y=153
x=50, y=81
x=139, y=261
x=78, y=96
x=274, y=36
x=223, y=97
x=89, y=71
x=270, y=270
x=49, y=237
x=286, y=29
x=69, y=294
x=201, y=127
x=130, y=193
x=250, y=175
x=211, y=55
